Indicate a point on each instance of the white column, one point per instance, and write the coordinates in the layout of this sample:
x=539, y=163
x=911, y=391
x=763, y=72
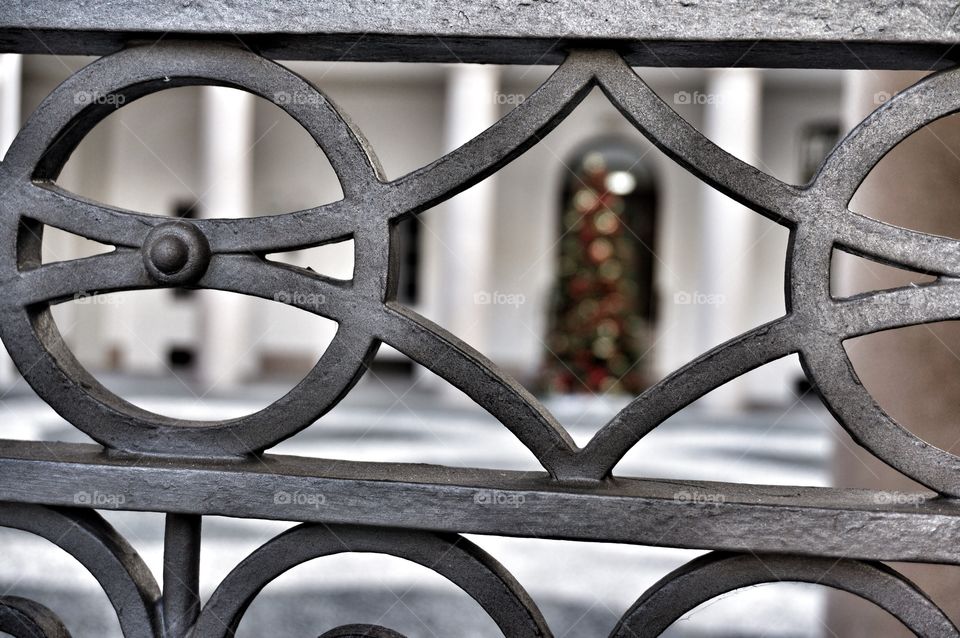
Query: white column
x=732, y=120
x=10, y=84
x=10, y=88
x=459, y=240
x=227, y=137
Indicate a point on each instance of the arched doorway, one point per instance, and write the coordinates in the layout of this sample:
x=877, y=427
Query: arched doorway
x=604, y=303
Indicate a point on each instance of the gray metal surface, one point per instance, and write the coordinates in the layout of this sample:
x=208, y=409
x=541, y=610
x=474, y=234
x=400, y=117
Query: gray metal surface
x=451, y=556
x=25, y=618
x=190, y=469
x=917, y=34
x=717, y=573
x=801, y=520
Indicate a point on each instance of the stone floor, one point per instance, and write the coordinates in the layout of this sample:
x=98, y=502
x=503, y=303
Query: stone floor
x=582, y=588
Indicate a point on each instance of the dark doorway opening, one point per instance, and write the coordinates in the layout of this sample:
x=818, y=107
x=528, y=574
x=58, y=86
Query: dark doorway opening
x=604, y=302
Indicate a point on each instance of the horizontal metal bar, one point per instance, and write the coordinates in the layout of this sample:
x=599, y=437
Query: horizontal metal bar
x=798, y=520
x=916, y=34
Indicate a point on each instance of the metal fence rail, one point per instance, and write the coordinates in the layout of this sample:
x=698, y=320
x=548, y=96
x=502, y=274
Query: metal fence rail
x=190, y=469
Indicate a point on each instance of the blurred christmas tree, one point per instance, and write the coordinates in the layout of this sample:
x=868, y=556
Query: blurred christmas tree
x=599, y=330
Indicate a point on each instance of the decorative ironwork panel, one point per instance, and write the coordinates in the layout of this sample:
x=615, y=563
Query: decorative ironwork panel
x=190, y=469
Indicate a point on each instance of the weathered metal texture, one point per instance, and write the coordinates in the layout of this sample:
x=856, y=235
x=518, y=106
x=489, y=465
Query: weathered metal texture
x=453, y=557
x=189, y=469
x=718, y=573
x=917, y=34
x=801, y=520
x=181, y=573
x=118, y=568
x=25, y=618
x=361, y=631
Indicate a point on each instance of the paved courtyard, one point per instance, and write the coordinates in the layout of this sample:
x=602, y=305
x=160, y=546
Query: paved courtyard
x=582, y=588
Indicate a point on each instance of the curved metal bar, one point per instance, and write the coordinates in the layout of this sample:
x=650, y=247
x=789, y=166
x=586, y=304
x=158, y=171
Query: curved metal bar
x=118, y=568
x=24, y=618
x=46, y=141
x=897, y=246
x=290, y=285
x=931, y=98
x=308, y=228
x=453, y=557
x=32, y=336
x=472, y=373
x=684, y=386
x=118, y=270
x=718, y=573
x=49, y=204
x=108, y=419
x=123, y=270
x=680, y=141
x=361, y=631
x=829, y=369
x=77, y=105
x=485, y=154
x=894, y=308
x=852, y=159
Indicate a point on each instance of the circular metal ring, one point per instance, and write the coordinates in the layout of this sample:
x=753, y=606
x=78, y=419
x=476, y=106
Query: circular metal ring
x=455, y=558
x=717, y=573
x=823, y=355
x=152, y=250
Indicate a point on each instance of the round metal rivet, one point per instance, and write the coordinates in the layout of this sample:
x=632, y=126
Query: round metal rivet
x=176, y=253
x=169, y=254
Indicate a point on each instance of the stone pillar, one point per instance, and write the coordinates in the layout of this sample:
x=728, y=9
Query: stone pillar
x=732, y=121
x=227, y=139
x=10, y=89
x=459, y=239
x=915, y=186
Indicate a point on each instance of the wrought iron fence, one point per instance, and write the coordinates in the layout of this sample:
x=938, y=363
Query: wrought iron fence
x=191, y=469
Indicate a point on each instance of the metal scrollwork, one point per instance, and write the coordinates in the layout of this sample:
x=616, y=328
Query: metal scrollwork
x=453, y=557
x=718, y=573
x=23, y=618
x=118, y=568
x=230, y=255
